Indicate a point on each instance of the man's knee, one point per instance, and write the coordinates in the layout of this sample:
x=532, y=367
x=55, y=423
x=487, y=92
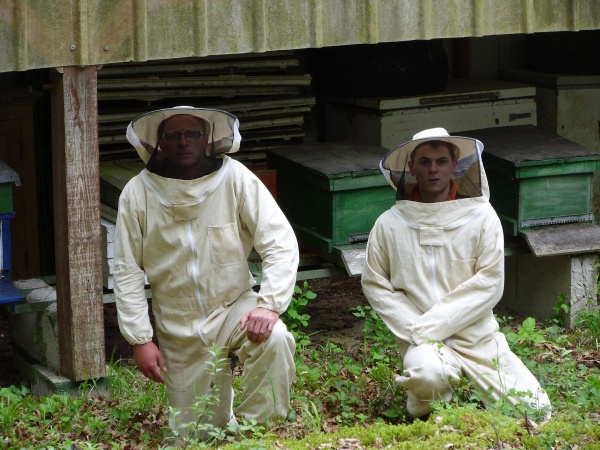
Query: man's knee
x=427, y=369
x=279, y=347
x=281, y=338
x=424, y=381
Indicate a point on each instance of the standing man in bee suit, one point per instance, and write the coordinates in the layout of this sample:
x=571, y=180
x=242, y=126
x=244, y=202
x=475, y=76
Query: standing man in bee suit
x=189, y=221
x=435, y=269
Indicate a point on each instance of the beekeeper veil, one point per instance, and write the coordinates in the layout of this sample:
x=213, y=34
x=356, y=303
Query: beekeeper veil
x=468, y=175
x=222, y=128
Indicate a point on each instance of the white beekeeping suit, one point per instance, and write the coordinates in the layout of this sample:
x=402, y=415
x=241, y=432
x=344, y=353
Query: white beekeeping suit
x=192, y=238
x=433, y=273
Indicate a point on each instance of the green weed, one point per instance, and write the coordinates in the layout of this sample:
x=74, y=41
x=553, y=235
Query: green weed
x=526, y=337
x=380, y=344
x=561, y=310
x=588, y=321
x=294, y=317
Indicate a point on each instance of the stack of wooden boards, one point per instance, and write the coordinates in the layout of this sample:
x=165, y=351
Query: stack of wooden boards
x=267, y=92
x=113, y=178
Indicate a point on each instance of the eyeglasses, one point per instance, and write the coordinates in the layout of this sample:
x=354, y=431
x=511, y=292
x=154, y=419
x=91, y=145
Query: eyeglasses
x=190, y=136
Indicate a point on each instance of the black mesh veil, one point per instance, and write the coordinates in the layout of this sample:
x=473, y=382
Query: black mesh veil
x=222, y=126
x=467, y=174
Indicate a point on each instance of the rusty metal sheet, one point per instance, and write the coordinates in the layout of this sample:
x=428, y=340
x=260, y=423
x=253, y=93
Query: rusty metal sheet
x=92, y=32
x=563, y=239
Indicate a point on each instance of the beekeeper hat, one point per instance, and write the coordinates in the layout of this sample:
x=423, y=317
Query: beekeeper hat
x=222, y=128
x=394, y=165
x=467, y=153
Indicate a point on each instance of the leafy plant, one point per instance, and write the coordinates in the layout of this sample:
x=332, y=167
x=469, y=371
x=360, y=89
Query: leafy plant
x=589, y=320
x=504, y=322
x=312, y=417
x=10, y=398
x=294, y=317
x=598, y=281
x=590, y=397
x=561, y=310
x=526, y=336
x=201, y=428
x=384, y=344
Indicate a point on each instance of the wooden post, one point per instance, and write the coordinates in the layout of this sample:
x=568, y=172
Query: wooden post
x=75, y=172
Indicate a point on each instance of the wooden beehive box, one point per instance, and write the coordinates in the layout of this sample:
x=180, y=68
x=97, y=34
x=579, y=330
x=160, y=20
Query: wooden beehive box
x=114, y=175
x=537, y=178
x=332, y=193
x=466, y=104
x=8, y=177
x=568, y=105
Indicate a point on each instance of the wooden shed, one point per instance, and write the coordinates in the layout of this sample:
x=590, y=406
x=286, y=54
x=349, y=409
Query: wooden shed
x=59, y=61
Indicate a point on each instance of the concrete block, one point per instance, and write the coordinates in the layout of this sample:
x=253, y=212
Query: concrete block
x=23, y=363
x=32, y=283
x=584, y=285
x=35, y=333
x=49, y=324
x=534, y=284
x=27, y=334
x=45, y=381
x=42, y=294
x=510, y=281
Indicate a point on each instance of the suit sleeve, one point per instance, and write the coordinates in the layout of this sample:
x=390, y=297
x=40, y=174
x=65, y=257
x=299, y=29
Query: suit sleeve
x=273, y=239
x=473, y=299
x=396, y=310
x=129, y=281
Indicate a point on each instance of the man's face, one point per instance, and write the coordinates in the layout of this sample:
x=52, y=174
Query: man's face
x=433, y=169
x=180, y=142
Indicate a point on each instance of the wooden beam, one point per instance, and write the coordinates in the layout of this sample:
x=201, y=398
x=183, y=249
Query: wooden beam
x=78, y=240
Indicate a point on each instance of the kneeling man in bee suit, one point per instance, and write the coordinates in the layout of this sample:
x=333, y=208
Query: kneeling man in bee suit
x=435, y=269
x=188, y=222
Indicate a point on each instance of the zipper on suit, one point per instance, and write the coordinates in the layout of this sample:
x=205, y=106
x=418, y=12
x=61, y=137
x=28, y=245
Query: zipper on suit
x=432, y=268
x=195, y=276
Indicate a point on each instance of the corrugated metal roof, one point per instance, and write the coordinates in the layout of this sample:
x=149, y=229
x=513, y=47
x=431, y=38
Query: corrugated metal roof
x=41, y=33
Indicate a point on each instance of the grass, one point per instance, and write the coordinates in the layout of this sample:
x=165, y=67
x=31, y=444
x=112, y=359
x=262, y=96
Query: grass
x=344, y=397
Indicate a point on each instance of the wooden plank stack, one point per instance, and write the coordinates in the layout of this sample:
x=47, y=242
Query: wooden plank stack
x=114, y=175
x=267, y=92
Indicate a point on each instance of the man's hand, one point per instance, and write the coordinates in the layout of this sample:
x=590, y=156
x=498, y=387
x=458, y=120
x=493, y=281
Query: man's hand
x=259, y=324
x=149, y=361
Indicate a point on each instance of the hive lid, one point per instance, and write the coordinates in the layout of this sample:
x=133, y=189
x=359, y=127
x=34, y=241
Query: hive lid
x=460, y=91
x=551, y=80
x=334, y=159
x=567, y=239
x=7, y=175
x=526, y=145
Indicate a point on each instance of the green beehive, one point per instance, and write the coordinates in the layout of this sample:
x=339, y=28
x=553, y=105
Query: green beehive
x=332, y=193
x=8, y=177
x=536, y=178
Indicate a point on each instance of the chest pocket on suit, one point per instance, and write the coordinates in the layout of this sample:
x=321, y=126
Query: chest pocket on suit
x=225, y=245
x=462, y=270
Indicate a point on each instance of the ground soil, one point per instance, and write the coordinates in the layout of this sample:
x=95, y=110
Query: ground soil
x=330, y=315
